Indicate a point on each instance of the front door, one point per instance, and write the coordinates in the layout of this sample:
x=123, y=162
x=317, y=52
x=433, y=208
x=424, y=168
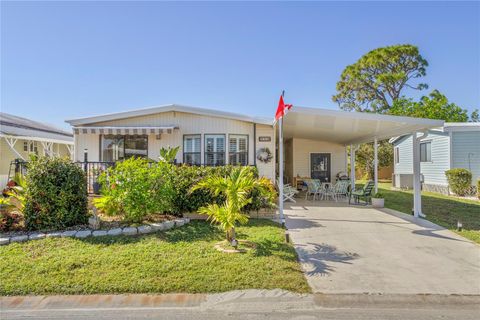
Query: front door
x=320, y=166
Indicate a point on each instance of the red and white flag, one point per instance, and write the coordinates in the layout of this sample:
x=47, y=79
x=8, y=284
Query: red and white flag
x=282, y=109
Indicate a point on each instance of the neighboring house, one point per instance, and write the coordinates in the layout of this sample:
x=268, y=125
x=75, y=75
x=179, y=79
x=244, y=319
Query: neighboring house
x=20, y=137
x=455, y=145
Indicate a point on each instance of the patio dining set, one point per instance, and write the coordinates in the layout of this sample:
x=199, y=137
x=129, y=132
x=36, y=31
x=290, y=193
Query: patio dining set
x=330, y=191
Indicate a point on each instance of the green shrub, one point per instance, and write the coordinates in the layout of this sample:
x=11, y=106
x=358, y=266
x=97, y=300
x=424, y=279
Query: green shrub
x=478, y=188
x=186, y=177
x=459, y=180
x=135, y=188
x=55, y=195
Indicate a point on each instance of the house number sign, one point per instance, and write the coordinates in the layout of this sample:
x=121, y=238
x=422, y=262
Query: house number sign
x=264, y=139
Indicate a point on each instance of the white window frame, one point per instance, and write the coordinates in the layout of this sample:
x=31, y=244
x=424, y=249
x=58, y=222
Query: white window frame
x=237, y=153
x=194, y=152
x=217, y=160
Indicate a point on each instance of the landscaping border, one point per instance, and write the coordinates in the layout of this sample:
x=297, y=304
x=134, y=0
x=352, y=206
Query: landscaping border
x=85, y=233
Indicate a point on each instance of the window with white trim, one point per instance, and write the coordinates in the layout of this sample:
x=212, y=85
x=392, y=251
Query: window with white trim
x=238, y=149
x=397, y=155
x=191, y=149
x=215, y=149
x=426, y=151
x=30, y=146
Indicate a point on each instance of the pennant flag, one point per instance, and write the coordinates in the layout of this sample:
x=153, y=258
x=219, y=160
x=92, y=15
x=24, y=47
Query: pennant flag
x=282, y=109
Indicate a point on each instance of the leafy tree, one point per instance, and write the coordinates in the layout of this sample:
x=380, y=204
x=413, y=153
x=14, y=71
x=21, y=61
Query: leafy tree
x=365, y=157
x=475, y=117
x=433, y=106
x=236, y=188
x=377, y=79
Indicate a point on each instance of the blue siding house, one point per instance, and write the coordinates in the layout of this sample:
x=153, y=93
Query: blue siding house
x=455, y=145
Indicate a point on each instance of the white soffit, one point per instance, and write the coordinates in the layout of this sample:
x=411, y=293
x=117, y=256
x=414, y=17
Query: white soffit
x=349, y=127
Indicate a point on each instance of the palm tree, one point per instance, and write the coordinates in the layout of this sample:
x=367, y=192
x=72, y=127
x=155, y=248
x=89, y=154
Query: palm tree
x=236, y=188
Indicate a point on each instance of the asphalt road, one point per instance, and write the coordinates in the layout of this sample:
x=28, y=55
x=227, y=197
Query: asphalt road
x=250, y=304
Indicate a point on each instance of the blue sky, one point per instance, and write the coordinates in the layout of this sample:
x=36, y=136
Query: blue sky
x=63, y=60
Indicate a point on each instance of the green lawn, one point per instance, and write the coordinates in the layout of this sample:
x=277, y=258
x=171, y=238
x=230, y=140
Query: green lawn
x=442, y=210
x=178, y=260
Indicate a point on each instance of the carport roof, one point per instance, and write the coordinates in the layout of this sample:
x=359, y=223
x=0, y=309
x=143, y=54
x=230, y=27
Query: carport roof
x=349, y=127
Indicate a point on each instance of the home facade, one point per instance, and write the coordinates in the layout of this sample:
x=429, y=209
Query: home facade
x=455, y=145
x=20, y=137
x=204, y=137
x=318, y=143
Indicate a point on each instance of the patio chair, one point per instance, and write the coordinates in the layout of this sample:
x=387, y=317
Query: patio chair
x=313, y=188
x=340, y=189
x=288, y=192
x=365, y=193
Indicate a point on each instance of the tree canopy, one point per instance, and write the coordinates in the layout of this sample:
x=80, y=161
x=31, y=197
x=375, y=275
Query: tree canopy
x=377, y=79
x=433, y=106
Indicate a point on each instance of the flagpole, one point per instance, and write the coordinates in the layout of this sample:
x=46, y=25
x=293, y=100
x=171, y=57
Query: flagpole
x=280, y=166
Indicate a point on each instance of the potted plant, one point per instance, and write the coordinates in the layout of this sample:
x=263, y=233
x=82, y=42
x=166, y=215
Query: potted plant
x=378, y=200
x=96, y=185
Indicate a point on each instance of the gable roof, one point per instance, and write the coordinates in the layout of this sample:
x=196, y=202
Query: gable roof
x=168, y=108
x=15, y=126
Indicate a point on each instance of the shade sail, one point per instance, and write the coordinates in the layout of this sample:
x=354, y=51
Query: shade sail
x=349, y=127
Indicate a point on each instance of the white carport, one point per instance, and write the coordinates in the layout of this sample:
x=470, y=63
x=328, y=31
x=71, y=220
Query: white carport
x=354, y=128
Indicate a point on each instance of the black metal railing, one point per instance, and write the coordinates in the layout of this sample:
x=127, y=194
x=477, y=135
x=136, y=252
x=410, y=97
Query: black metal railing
x=17, y=166
x=93, y=169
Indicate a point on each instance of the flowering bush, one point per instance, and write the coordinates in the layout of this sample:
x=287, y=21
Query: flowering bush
x=135, y=188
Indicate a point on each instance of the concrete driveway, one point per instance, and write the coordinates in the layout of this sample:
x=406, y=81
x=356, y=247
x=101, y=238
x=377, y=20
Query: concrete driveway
x=353, y=249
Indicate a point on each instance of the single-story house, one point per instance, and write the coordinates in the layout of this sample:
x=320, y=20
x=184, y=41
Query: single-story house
x=315, y=140
x=20, y=137
x=455, y=145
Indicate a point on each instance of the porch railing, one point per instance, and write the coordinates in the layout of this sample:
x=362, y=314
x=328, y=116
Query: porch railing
x=92, y=170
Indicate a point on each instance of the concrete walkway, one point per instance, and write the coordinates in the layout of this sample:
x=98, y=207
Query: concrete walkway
x=354, y=249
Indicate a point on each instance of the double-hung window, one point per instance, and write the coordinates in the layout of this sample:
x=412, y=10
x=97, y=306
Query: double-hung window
x=396, y=155
x=119, y=147
x=426, y=151
x=191, y=149
x=215, y=149
x=238, y=149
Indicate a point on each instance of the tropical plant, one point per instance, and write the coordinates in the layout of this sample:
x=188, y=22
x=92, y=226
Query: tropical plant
x=16, y=194
x=168, y=154
x=459, y=180
x=236, y=188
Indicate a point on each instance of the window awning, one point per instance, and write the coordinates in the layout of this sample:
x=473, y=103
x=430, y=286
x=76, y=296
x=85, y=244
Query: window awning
x=125, y=130
x=349, y=127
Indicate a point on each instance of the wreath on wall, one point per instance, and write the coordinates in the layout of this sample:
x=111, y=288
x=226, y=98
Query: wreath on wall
x=264, y=155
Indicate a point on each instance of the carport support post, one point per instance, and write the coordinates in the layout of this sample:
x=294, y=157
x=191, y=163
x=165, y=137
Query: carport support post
x=375, y=163
x=280, y=173
x=417, y=197
x=352, y=166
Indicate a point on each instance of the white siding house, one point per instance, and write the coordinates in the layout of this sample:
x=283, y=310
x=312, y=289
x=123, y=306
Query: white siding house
x=19, y=137
x=315, y=140
x=456, y=145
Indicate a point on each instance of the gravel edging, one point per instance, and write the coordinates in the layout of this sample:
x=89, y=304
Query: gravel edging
x=85, y=233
